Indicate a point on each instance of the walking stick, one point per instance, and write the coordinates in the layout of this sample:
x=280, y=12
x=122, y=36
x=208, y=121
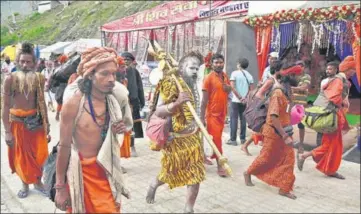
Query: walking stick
x=222, y=160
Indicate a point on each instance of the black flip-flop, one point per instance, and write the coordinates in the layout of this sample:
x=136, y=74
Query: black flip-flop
x=300, y=162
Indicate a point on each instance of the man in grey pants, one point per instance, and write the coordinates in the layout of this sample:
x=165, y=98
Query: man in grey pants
x=242, y=83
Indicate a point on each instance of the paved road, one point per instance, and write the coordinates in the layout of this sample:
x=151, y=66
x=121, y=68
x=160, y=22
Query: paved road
x=316, y=193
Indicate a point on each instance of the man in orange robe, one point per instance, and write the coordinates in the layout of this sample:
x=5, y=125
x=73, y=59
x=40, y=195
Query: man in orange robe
x=216, y=87
x=27, y=149
x=334, y=93
x=276, y=161
x=88, y=173
x=125, y=148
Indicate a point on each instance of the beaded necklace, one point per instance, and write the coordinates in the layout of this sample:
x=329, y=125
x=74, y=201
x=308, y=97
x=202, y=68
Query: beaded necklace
x=105, y=126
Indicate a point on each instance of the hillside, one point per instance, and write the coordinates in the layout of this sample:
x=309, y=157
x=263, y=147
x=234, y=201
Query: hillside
x=81, y=19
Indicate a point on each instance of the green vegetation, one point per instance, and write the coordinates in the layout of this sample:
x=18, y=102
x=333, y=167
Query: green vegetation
x=81, y=19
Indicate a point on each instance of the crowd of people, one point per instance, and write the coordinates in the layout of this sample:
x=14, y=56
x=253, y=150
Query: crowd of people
x=99, y=104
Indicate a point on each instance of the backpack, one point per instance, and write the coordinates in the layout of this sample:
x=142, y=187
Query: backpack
x=320, y=119
x=256, y=109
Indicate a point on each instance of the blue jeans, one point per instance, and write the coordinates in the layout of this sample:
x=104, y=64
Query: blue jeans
x=237, y=109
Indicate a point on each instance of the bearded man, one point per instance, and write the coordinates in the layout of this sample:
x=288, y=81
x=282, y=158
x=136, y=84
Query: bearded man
x=276, y=161
x=26, y=121
x=136, y=97
x=182, y=160
x=216, y=87
x=333, y=95
x=94, y=118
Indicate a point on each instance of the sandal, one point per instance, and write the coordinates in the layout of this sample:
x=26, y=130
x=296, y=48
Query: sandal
x=42, y=191
x=23, y=193
x=300, y=162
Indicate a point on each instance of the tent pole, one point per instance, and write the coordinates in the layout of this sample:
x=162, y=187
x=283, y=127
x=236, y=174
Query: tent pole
x=209, y=25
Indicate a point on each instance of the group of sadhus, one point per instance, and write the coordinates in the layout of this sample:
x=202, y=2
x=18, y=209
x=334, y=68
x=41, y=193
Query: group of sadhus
x=99, y=115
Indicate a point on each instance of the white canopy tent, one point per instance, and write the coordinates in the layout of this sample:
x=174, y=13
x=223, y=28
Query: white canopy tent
x=57, y=48
x=260, y=8
x=82, y=44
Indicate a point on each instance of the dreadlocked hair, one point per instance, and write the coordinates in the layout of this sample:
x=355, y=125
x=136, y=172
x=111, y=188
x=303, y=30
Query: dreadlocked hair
x=192, y=54
x=26, y=48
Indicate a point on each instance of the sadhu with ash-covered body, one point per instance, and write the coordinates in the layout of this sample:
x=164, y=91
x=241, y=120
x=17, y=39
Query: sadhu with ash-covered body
x=182, y=159
x=26, y=121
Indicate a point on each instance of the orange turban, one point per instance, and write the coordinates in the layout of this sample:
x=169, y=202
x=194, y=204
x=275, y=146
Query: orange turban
x=62, y=59
x=347, y=63
x=93, y=57
x=120, y=61
x=296, y=70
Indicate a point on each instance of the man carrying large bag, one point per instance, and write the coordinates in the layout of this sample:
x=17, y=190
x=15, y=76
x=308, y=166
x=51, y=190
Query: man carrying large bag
x=334, y=94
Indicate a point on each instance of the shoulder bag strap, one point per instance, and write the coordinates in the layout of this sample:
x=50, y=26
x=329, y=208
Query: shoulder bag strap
x=246, y=78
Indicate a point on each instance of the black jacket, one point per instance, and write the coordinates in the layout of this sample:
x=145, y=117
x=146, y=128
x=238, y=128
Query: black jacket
x=135, y=88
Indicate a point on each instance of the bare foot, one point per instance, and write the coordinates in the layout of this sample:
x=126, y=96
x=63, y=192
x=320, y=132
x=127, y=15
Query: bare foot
x=188, y=209
x=287, y=194
x=245, y=149
x=207, y=161
x=151, y=194
x=221, y=172
x=247, y=179
x=338, y=176
x=24, y=191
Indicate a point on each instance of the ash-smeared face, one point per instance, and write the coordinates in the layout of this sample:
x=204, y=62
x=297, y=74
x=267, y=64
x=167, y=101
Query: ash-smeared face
x=190, y=68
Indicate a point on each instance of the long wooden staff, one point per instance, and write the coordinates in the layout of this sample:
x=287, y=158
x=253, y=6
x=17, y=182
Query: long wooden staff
x=222, y=160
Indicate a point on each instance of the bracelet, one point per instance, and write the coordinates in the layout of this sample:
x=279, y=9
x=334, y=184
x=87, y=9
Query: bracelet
x=60, y=186
x=64, y=146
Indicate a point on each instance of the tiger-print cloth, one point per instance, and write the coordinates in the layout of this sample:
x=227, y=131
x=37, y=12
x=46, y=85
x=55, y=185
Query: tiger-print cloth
x=182, y=158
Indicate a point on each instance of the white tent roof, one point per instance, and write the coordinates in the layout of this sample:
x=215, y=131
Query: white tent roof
x=57, y=48
x=82, y=44
x=259, y=8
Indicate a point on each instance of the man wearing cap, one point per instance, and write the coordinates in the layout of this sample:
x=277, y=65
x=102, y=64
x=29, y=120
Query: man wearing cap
x=136, y=97
x=272, y=57
x=300, y=94
x=276, y=161
x=334, y=93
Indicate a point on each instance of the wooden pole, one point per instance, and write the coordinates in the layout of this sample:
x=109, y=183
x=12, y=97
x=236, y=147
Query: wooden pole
x=222, y=160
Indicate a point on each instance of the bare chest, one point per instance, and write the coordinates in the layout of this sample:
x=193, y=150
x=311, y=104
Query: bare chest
x=24, y=100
